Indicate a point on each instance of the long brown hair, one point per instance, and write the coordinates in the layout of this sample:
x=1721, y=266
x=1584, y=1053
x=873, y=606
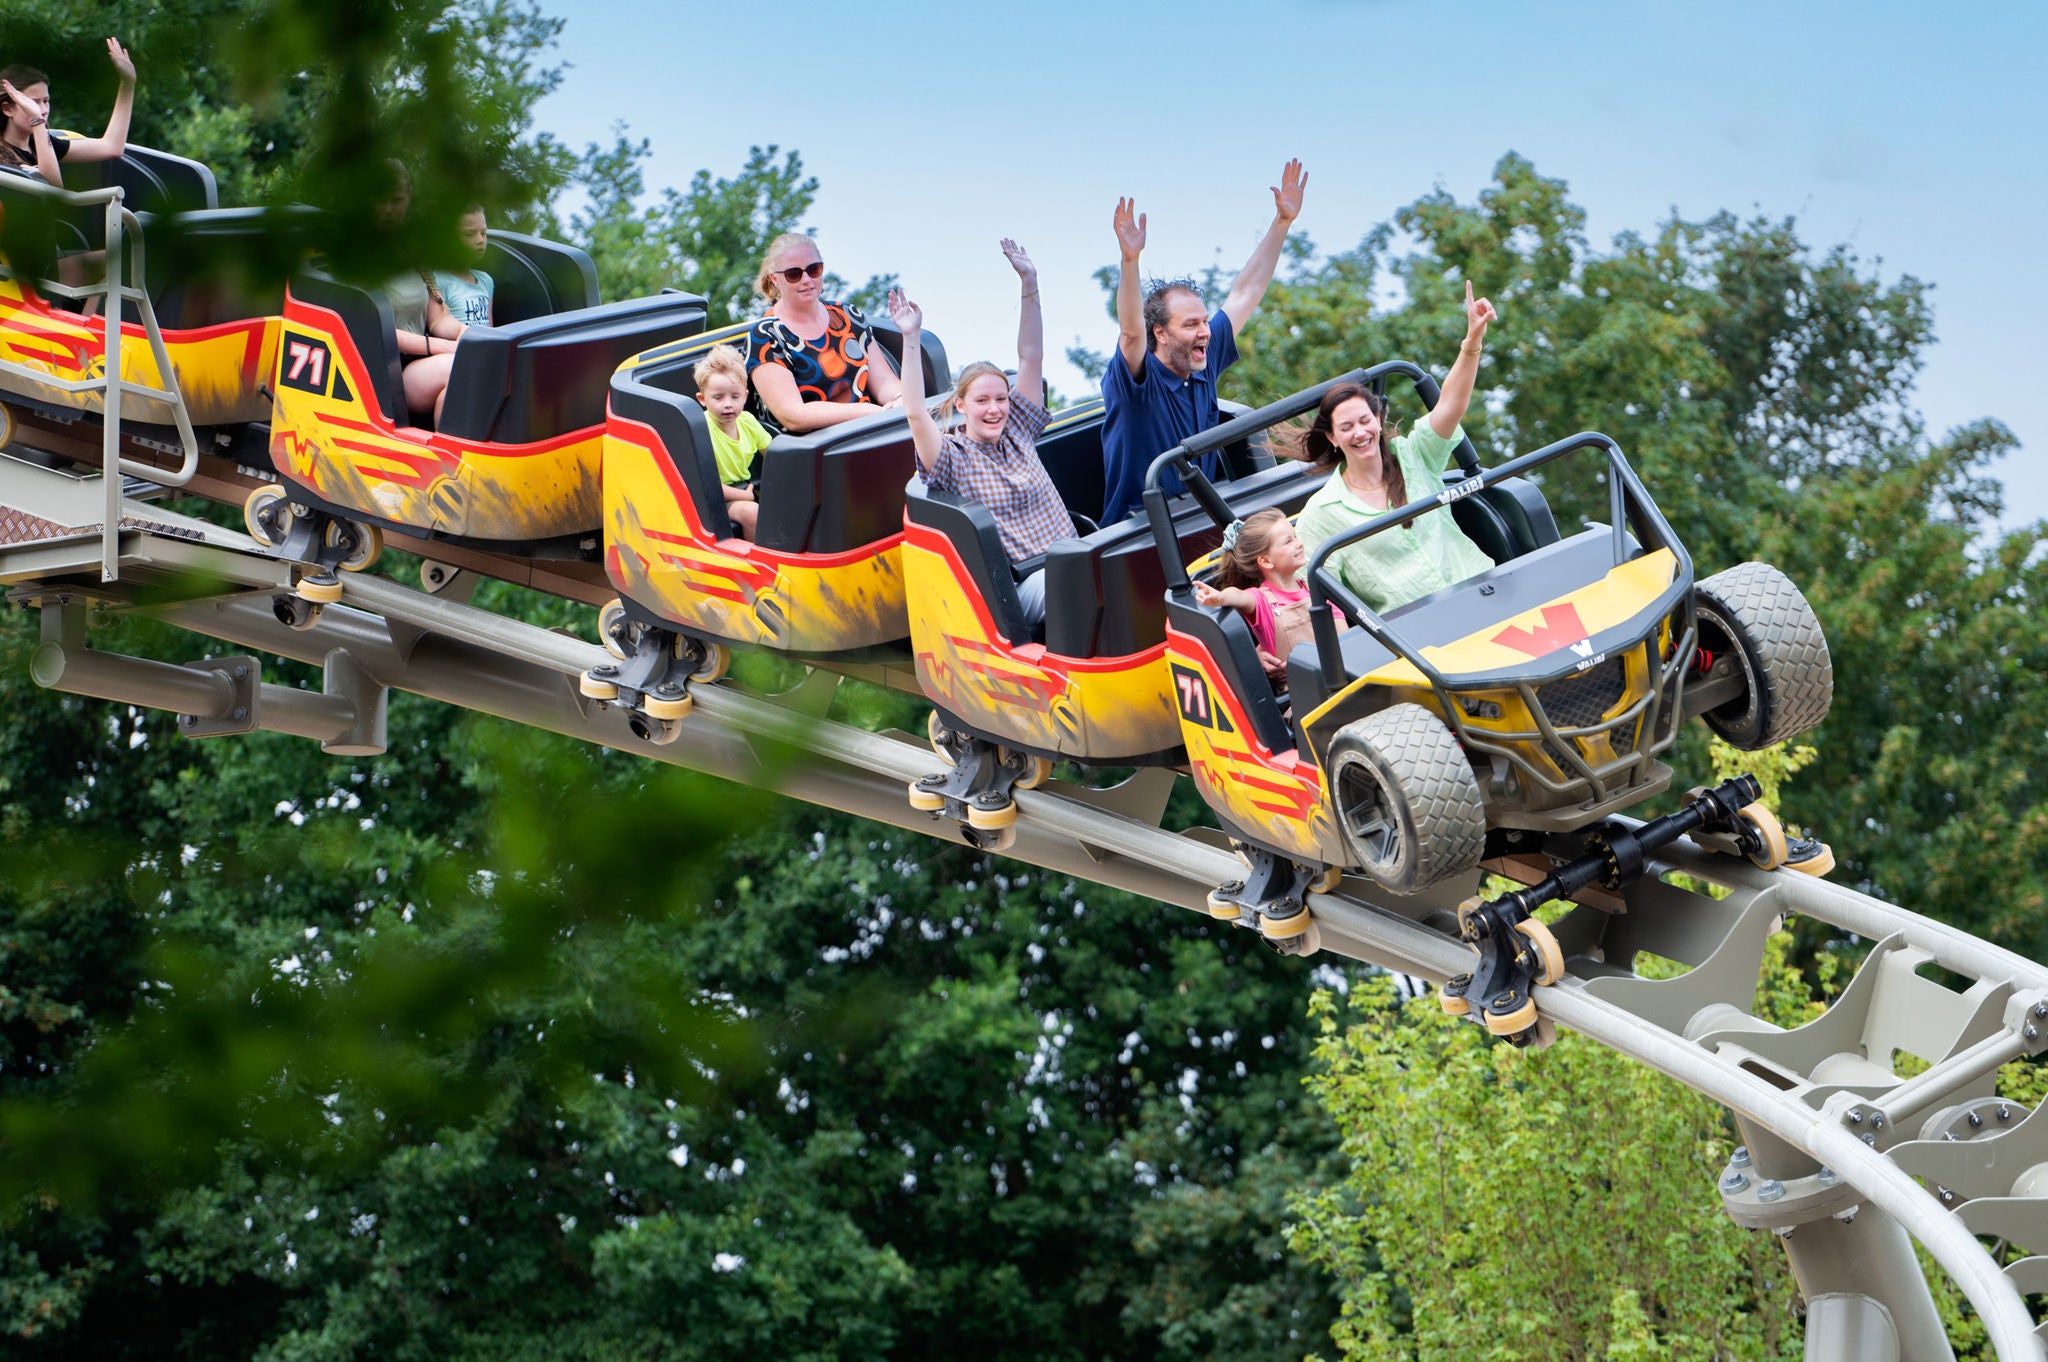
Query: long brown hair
x=1314, y=445
x=1239, y=565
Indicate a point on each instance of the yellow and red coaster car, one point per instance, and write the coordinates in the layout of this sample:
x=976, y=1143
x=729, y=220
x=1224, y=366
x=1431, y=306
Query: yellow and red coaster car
x=822, y=577
x=516, y=460
x=1092, y=684
x=1535, y=696
x=215, y=299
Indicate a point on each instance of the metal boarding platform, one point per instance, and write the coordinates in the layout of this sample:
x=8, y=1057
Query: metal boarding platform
x=1844, y=1159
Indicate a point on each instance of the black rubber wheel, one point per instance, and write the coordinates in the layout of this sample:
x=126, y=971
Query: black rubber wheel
x=1754, y=612
x=1406, y=798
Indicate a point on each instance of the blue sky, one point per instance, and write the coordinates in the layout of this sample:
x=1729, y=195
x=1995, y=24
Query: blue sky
x=1913, y=138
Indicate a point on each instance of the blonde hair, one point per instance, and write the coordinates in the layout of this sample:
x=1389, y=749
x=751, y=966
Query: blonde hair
x=765, y=283
x=981, y=368
x=720, y=360
x=1239, y=565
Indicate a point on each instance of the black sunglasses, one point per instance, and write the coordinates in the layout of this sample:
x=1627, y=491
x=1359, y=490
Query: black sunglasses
x=796, y=272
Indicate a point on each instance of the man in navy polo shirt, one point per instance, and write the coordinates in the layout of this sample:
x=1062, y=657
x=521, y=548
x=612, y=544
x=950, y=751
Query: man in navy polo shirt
x=1160, y=386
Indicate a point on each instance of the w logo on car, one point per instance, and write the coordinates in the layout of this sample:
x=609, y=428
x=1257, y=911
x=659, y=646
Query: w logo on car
x=1561, y=628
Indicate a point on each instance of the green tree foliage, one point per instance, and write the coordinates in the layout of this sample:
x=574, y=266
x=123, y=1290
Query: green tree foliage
x=524, y=1100
x=1556, y=1204
x=1540, y=1204
x=291, y=103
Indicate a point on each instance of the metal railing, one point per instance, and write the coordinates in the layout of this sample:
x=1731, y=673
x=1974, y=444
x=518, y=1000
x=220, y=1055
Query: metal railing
x=122, y=282
x=1629, y=507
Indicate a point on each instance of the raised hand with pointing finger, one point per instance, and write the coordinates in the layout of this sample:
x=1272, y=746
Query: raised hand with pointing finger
x=1479, y=314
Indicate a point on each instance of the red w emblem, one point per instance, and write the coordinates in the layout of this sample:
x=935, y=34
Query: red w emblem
x=1560, y=629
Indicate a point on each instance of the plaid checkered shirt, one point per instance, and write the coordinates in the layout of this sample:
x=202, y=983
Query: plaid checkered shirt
x=1007, y=478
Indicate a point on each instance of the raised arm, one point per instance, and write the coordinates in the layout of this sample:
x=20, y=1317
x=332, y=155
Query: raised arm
x=924, y=432
x=1457, y=395
x=111, y=143
x=1030, y=326
x=1252, y=281
x=1130, y=308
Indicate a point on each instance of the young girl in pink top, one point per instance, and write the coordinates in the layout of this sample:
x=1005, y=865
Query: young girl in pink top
x=1260, y=574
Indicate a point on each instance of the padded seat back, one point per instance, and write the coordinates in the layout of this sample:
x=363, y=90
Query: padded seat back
x=834, y=490
x=651, y=394
x=1071, y=450
x=1106, y=592
x=1506, y=520
x=1228, y=637
x=938, y=378
x=972, y=529
x=534, y=277
x=222, y=264
x=366, y=315
x=150, y=181
x=549, y=375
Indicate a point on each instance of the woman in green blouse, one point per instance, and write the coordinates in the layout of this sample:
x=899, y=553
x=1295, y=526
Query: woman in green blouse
x=1378, y=470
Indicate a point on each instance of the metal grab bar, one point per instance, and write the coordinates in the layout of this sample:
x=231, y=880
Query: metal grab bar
x=122, y=281
x=1628, y=503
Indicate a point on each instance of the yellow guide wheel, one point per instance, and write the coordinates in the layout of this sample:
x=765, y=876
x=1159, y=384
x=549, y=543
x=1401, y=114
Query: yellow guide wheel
x=1773, y=852
x=935, y=729
x=991, y=819
x=367, y=544
x=1457, y=1004
x=1220, y=907
x=595, y=687
x=1285, y=928
x=261, y=500
x=717, y=662
x=929, y=801
x=1037, y=771
x=1549, y=955
x=1817, y=865
x=1512, y=1023
x=321, y=590
x=611, y=617
x=678, y=707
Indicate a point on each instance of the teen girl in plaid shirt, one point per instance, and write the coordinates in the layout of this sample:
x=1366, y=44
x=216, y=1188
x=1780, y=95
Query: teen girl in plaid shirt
x=993, y=457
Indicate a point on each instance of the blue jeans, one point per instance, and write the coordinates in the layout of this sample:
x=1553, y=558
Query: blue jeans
x=1031, y=595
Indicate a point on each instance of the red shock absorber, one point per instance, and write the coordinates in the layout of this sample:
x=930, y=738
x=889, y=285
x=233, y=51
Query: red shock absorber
x=1702, y=661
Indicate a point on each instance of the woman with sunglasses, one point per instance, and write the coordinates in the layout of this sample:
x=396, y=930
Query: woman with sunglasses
x=808, y=358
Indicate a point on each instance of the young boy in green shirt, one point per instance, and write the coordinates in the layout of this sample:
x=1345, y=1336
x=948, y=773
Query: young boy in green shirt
x=736, y=437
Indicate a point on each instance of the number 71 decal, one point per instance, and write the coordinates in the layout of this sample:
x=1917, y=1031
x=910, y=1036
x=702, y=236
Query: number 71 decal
x=304, y=364
x=1191, y=691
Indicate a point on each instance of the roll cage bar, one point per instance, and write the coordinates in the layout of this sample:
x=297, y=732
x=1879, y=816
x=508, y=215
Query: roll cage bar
x=1630, y=508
